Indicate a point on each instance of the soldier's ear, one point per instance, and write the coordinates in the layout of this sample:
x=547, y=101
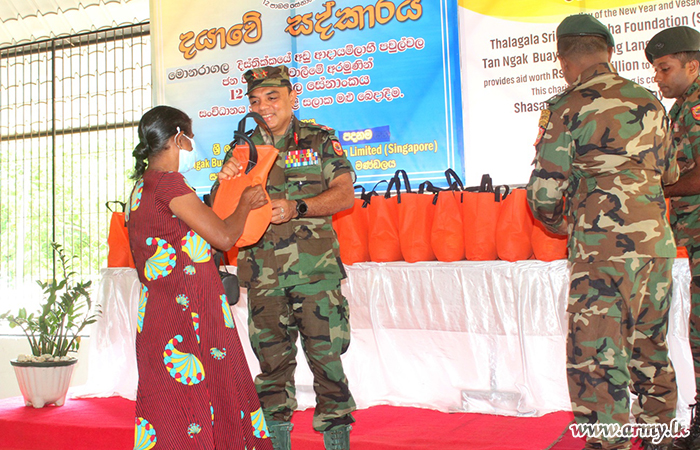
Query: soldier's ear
x=564, y=63
x=610, y=53
x=694, y=67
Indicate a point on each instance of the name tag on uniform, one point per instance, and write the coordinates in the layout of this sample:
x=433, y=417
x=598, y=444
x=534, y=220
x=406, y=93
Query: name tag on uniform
x=299, y=158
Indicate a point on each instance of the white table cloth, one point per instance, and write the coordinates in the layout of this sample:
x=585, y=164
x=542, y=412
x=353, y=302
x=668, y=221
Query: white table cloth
x=465, y=336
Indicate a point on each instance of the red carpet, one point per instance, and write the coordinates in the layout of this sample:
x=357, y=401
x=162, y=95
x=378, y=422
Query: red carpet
x=107, y=424
x=568, y=442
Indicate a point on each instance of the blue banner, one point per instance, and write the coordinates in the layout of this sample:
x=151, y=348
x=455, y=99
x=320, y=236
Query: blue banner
x=383, y=74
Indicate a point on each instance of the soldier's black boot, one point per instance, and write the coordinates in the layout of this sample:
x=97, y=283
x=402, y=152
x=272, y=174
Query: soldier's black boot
x=337, y=438
x=280, y=434
x=692, y=441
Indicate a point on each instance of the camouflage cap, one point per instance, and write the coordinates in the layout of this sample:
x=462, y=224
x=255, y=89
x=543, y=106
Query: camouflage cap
x=584, y=25
x=275, y=76
x=672, y=40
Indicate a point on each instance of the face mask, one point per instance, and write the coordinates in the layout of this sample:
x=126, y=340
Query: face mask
x=187, y=158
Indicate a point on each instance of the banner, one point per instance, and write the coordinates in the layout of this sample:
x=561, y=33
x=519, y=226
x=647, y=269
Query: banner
x=510, y=67
x=384, y=74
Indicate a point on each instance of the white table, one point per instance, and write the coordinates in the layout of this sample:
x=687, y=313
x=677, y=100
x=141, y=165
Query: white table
x=466, y=336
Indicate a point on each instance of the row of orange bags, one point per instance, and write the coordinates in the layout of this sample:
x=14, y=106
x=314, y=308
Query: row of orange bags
x=479, y=223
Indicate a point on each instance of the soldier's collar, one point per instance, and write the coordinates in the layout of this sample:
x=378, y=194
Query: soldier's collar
x=592, y=72
x=692, y=88
x=585, y=76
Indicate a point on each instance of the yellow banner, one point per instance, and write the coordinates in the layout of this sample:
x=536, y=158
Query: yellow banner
x=542, y=11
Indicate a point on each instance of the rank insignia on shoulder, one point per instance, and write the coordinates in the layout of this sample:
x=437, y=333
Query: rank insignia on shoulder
x=695, y=111
x=540, y=133
x=338, y=148
x=543, y=122
x=300, y=158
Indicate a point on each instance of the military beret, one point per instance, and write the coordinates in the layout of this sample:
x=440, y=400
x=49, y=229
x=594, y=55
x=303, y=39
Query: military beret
x=584, y=25
x=275, y=76
x=672, y=40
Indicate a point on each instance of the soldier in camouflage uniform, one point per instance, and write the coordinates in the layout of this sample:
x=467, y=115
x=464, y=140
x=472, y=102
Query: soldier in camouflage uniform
x=603, y=145
x=675, y=54
x=293, y=273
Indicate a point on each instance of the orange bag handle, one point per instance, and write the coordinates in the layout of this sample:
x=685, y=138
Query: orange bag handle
x=487, y=186
x=240, y=136
x=245, y=150
x=427, y=186
x=455, y=185
x=122, y=204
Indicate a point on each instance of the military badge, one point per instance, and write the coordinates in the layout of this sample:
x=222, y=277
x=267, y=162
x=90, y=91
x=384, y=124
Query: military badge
x=259, y=74
x=695, y=111
x=337, y=148
x=540, y=133
x=544, y=121
x=300, y=158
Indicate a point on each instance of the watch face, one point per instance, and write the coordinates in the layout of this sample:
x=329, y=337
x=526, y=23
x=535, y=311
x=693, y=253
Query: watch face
x=302, y=207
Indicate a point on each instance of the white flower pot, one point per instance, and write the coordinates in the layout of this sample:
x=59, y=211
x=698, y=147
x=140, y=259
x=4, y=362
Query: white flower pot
x=43, y=383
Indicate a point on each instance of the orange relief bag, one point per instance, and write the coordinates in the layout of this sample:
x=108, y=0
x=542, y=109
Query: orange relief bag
x=260, y=159
x=546, y=245
x=481, y=208
x=351, y=226
x=231, y=256
x=514, y=228
x=119, y=254
x=416, y=212
x=681, y=252
x=447, y=233
x=383, y=220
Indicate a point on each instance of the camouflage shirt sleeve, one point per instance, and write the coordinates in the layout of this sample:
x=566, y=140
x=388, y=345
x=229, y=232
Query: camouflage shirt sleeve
x=671, y=169
x=691, y=124
x=550, y=177
x=335, y=162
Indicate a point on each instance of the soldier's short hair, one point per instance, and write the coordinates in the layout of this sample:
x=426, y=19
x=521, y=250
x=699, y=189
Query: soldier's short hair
x=573, y=46
x=686, y=57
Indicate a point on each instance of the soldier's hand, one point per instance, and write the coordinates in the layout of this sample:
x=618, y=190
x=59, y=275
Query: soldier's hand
x=254, y=196
x=283, y=210
x=231, y=169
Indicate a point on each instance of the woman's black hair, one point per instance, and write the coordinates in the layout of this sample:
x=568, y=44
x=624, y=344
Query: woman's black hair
x=155, y=128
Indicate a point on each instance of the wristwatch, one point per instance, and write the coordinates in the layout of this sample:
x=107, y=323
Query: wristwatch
x=302, y=208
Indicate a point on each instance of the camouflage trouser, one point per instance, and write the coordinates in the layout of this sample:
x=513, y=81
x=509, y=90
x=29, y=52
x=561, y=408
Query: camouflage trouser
x=618, y=316
x=320, y=313
x=694, y=329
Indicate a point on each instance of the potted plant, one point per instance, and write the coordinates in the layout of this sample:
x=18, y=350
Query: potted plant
x=52, y=332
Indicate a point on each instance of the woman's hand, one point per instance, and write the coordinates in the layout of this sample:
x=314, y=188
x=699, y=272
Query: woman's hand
x=254, y=196
x=231, y=169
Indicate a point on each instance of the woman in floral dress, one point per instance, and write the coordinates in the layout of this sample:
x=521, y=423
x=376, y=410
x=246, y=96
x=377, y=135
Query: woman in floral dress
x=195, y=389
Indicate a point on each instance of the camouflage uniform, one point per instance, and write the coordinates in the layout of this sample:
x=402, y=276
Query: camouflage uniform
x=293, y=278
x=685, y=211
x=604, y=145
